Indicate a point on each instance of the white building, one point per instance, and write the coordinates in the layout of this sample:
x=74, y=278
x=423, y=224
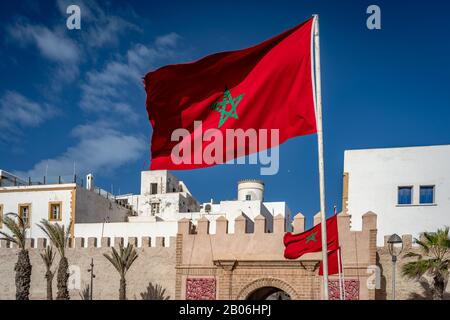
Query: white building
x=164, y=200
x=408, y=188
x=62, y=203
x=162, y=195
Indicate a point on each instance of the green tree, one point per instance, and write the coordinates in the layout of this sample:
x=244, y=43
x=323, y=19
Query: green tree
x=17, y=235
x=122, y=261
x=48, y=256
x=59, y=237
x=433, y=260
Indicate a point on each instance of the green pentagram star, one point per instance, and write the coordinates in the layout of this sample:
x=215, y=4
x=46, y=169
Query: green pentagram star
x=222, y=106
x=311, y=237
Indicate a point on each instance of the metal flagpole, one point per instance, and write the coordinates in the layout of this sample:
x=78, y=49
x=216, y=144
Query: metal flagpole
x=318, y=94
x=340, y=274
x=343, y=273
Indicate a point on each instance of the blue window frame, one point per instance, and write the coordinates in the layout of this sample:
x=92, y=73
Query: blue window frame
x=426, y=194
x=404, y=195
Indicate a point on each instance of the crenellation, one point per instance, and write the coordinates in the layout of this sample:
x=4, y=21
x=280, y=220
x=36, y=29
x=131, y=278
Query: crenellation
x=29, y=243
x=299, y=223
x=279, y=224
x=317, y=218
x=260, y=224
x=221, y=225
x=240, y=225
x=172, y=242
x=92, y=242
x=133, y=241
x=41, y=243
x=184, y=226
x=369, y=221
x=118, y=241
x=203, y=226
x=79, y=243
x=4, y=244
x=105, y=242
x=407, y=241
x=146, y=242
x=160, y=241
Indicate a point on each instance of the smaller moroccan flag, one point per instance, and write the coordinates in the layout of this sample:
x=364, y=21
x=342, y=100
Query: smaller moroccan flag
x=297, y=245
x=333, y=263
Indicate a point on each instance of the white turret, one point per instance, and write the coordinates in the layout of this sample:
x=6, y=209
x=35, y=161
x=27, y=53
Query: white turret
x=251, y=190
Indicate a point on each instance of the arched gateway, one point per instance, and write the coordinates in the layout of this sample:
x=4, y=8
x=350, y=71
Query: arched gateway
x=267, y=288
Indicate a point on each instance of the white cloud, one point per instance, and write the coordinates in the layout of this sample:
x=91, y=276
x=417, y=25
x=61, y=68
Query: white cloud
x=18, y=111
x=52, y=44
x=168, y=40
x=109, y=89
x=99, y=27
x=100, y=149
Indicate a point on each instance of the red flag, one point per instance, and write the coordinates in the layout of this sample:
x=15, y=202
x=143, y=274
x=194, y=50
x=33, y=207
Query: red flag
x=333, y=263
x=297, y=245
x=265, y=87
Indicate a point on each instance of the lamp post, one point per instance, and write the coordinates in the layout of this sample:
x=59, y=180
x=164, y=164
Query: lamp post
x=395, y=246
x=91, y=271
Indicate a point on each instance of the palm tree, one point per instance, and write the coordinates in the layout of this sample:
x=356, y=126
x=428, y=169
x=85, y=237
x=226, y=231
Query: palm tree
x=59, y=237
x=432, y=260
x=85, y=293
x=122, y=261
x=154, y=292
x=23, y=266
x=47, y=257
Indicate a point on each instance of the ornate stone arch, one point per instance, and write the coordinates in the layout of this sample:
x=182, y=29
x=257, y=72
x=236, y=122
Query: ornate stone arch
x=267, y=282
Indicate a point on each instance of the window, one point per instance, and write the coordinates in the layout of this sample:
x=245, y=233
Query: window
x=153, y=188
x=248, y=197
x=54, y=211
x=25, y=213
x=155, y=208
x=1, y=216
x=404, y=195
x=426, y=194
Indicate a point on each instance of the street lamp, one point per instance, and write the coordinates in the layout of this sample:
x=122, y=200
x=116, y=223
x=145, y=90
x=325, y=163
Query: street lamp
x=91, y=271
x=395, y=246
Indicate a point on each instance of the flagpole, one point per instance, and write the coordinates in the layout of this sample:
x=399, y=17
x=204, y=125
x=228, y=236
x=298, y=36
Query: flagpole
x=340, y=274
x=343, y=273
x=318, y=94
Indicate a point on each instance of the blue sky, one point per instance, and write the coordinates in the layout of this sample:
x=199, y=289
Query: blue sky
x=76, y=96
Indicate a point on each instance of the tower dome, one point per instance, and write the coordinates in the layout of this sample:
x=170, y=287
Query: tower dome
x=250, y=189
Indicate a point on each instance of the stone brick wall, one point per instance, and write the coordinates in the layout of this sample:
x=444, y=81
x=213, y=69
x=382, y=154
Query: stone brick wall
x=406, y=289
x=156, y=264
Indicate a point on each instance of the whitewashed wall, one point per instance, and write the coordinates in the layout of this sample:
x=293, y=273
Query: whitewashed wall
x=376, y=174
x=39, y=197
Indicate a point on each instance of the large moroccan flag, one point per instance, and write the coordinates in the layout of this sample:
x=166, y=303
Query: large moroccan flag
x=265, y=87
x=297, y=245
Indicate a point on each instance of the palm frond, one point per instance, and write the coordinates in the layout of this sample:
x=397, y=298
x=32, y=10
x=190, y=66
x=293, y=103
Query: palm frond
x=416, y=269
x=17, y=228
x=58, y=236
x=48, y=256
x=122, y=259
x=412, y=254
